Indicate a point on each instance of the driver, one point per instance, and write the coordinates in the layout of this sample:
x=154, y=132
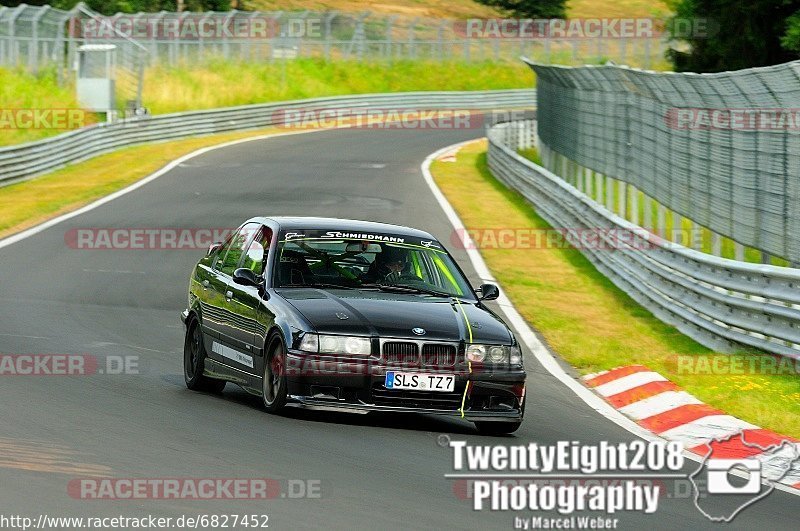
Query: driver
x=388, y=266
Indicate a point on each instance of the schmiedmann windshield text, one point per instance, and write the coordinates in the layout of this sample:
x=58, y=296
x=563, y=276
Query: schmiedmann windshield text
x=366, y=260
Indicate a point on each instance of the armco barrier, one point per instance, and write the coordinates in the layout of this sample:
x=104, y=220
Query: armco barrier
x=721, y=303
x=28, y=160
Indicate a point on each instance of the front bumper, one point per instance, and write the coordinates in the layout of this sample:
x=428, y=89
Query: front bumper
x=358, y=386
x=346, y=407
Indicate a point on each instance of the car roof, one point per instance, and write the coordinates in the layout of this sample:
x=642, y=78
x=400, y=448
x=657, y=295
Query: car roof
x=317, y=223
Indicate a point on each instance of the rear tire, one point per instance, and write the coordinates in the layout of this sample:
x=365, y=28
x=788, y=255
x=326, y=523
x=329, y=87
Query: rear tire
x=194, y=358
x=497, y=428
x=273, y=385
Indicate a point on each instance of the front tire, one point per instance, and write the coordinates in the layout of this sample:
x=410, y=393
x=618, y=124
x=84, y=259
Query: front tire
x=273, y=384
x=497, y=428
x=194, y=358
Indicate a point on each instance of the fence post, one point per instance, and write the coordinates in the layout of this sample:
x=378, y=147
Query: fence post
x=716, y=244
x=3, y=10
x=12, y=32
x=661, y=214
x=598, y=186
x=738, y=251
x=226, y=45
x=388, y=46
x=547, y=49
x=587, y=176
x=609, y=194
x=33, y=51
x=328, y=22
x=411, y=40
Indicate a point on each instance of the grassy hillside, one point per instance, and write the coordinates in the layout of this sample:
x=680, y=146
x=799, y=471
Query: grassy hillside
x=408, y=8
x=460, y=9
x=224, y=84
x=616, y=8
x=20, y=90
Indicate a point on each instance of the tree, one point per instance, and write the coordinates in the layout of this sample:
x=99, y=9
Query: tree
x=791, y=39
x=737, y=34
x=530, y=8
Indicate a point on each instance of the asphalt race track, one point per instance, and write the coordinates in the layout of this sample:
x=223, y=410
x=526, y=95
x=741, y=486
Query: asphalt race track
x=376, y=471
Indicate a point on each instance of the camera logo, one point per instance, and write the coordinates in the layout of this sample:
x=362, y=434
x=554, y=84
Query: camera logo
x=720, y=471
x=736, y=473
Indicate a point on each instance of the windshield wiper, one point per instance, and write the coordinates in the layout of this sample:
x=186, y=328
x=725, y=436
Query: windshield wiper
x=407, y=289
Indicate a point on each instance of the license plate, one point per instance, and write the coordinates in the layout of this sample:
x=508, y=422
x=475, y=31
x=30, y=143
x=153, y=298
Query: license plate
x=420, y=382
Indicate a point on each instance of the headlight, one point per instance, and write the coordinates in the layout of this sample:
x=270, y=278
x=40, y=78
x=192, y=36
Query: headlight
x=476, y=353
x=356, y=346
x=497, y=354
x=309, y=343
x=516, y=355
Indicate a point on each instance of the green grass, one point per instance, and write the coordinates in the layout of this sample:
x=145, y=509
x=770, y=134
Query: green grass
x=223, y=83
x=461, y=8
x=21, y=90
x=28, y=203
x=587, y=320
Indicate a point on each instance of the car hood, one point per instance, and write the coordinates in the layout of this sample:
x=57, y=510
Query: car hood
x=369, y=313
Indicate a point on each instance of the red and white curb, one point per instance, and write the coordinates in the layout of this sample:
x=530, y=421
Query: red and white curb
x=661, y=407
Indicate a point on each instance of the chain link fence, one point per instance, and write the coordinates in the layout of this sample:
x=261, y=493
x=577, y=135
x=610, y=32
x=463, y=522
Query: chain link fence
x=36, y=37
x=722, y=150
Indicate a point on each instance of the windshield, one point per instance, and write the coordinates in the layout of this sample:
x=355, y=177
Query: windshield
x=367, y=261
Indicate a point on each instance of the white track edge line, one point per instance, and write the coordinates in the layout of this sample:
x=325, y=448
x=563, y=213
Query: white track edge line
x=27, y=233
x=540, y=351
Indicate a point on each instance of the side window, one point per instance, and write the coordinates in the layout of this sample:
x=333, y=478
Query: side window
x=236, y=248
x=257, y=251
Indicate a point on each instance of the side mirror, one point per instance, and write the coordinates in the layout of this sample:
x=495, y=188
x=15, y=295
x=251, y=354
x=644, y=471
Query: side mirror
x=245, y=277
x=213, y=248
x=489, y=292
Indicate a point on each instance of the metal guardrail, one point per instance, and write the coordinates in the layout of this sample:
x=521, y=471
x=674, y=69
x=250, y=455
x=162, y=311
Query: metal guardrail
x=31, y=159
x=723, y=304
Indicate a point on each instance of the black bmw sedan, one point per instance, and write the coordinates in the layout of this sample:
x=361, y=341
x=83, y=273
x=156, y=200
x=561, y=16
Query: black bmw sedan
x=350, y=316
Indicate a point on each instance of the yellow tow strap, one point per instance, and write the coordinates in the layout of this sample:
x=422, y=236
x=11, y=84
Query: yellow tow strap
x=469, y=363
x=466, y=390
